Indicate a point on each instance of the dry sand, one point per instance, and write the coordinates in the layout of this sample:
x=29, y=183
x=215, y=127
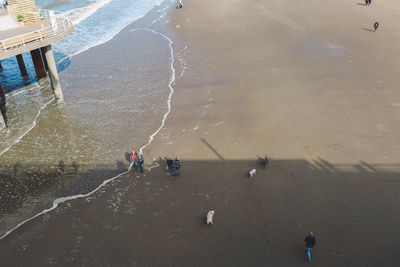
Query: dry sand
x=296, y=80
x=301, y=81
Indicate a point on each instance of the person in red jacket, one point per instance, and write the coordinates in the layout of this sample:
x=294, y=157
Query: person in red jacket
x=310, y=243
x=376, y=25
x=134, y=159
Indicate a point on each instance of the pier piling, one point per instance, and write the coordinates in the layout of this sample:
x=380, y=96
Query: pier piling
x=36, y=37
x=21, y=65
x=38, y=63
x=3, y=117
x=53, y=74
x=46, y=66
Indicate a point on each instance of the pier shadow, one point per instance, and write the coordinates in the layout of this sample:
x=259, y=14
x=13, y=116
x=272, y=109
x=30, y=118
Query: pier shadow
x=19, y=181
x=212, y=149
x=260, y=220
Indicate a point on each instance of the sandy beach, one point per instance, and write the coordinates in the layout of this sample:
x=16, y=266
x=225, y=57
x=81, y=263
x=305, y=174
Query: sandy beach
x=308, y=83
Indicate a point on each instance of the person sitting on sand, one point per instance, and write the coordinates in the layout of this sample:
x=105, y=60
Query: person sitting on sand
x=180, y=4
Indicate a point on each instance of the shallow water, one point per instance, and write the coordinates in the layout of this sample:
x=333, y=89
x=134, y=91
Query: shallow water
x=116, y=96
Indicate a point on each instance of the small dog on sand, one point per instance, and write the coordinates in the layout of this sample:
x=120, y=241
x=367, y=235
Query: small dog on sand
x=210, y=216
x=252, y=173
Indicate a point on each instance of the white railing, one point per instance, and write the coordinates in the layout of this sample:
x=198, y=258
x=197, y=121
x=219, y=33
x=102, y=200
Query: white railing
x=61, y=26
x=45, y=13
x=12, y=14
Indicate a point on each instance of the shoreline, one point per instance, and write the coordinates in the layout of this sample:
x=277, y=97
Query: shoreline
x=149, y=15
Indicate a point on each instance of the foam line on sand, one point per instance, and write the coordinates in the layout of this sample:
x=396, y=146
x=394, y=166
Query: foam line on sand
x=57, y=201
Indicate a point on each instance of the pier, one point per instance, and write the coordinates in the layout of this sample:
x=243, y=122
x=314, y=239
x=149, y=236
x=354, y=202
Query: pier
x=23, y=28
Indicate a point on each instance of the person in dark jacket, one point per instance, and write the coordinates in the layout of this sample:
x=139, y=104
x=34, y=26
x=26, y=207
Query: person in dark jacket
x=169, y=164
x=176, y=167
x=264, y=161
x=310, y=243
x=376, y=25
x=140, y=162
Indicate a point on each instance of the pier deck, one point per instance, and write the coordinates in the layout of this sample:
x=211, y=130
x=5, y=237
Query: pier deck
x=32, y=36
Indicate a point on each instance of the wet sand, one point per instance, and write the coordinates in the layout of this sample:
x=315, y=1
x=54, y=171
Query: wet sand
x=158, y=220
x=299, y=82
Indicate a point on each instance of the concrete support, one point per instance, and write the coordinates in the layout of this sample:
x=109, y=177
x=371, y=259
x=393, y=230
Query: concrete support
x=21, y=65
x=53, y=74
x=46, y=66
x=3, y=116
x=38, y=64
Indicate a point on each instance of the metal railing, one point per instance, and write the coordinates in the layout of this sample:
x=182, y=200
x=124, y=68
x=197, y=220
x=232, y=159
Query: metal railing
x=45, y=13
x=12, y=14
x=61, y=26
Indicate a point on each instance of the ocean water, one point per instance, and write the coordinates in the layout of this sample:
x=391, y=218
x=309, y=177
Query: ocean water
x=117, y=91
x=95, y=22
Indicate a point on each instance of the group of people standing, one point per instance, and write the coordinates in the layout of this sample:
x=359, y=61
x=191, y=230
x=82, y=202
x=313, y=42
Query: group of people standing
x=136, y=160
x=174, y=166
x=367, y=2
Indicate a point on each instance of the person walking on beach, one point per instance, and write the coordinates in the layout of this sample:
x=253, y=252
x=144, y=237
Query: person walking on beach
x=180, y=4
x=169, y=164
x=264, y=161
x=376, y=25
x=310, y=243
x=133, y=158
x=176, y=165
x=140, y=162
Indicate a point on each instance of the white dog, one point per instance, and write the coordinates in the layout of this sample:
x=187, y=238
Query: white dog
x=252, y=173
x=210, y=216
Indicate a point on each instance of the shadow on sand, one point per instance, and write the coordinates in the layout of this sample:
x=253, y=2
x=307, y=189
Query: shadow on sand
x=157, y=219
x=365, y=29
